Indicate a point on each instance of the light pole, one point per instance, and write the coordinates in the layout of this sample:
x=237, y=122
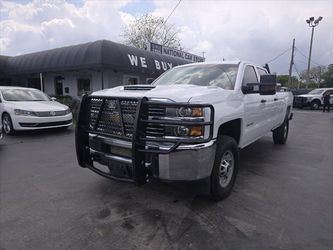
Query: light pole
x=312, y=23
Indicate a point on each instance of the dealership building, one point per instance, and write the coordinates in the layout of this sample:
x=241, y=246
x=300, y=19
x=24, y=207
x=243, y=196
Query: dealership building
x=92, y=66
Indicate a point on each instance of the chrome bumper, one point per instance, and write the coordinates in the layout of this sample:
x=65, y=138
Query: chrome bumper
x=185, y=163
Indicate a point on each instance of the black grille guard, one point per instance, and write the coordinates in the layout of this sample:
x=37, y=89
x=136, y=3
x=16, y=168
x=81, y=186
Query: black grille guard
x=139, y=139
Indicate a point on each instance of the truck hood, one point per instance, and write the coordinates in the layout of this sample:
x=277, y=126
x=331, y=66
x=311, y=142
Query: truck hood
x=307, y=95
x=176, y=93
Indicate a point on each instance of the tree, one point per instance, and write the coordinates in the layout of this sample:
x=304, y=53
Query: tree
x=327, y=77
x=315, y=75
x=149, y=28
x=283, y=79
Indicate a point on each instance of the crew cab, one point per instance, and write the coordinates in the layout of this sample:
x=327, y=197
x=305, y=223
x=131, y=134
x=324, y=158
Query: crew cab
x=313, y=99
x=188, y=125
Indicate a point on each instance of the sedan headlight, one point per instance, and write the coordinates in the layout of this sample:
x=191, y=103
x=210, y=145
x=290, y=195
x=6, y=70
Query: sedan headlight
x=68, y=111
x=24, y=112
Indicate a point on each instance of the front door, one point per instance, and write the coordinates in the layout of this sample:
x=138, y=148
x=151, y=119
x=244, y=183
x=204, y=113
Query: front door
x=59, y=86
x=254, y=110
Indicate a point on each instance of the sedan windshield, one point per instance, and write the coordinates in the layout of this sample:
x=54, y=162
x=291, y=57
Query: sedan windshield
x=316, y=92
x=23, y=95
x=220, y=75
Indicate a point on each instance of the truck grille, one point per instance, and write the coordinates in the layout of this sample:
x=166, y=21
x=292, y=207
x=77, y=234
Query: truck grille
x=153, y=129
x=112, y=116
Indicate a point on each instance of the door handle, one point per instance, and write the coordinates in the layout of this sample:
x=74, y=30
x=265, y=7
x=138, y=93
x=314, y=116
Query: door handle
x=275, y=99
x=263, y=101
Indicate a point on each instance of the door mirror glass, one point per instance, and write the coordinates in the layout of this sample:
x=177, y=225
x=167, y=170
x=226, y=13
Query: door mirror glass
x=267, y=86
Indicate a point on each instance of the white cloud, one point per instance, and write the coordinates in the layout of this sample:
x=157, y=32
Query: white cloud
x=251, y=30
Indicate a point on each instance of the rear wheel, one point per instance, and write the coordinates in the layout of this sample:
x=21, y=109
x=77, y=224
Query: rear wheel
x=225, y=167
x=7, y=124
x=280, y=134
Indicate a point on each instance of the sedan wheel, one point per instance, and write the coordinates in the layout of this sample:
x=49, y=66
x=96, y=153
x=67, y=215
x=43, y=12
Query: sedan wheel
x=7, y=124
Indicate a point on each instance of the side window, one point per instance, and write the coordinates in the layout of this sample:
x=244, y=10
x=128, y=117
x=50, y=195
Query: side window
x=249, y=76
x=261, y=71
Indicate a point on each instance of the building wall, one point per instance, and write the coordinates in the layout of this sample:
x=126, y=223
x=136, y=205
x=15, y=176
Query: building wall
x=111, y=78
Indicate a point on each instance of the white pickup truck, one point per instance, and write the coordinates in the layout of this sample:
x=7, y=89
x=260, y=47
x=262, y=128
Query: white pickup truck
x=188, y=125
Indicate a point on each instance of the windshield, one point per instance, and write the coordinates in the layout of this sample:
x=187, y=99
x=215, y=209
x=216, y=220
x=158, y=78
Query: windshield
x=17, y=95
x=219, y=75
x=316, y=92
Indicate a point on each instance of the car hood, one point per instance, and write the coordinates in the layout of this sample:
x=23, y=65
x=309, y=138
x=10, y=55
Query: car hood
x=38, y=105
x=307, y=95
x=176, y=93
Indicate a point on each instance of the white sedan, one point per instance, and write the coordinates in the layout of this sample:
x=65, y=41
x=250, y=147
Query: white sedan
x=27, y=108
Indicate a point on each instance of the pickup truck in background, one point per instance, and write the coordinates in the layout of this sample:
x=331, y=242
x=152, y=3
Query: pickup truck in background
x=188, y=125
x=313, y=99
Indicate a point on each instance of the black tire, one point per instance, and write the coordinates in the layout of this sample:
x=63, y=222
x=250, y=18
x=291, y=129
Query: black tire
x=315, y=105
x=7, y=124
x=280, y=134
x=223, y=176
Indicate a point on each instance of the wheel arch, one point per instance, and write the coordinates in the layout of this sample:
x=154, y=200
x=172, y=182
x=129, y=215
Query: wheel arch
x=231, y=128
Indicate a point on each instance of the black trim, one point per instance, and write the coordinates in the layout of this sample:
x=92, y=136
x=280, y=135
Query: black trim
x=44, y=124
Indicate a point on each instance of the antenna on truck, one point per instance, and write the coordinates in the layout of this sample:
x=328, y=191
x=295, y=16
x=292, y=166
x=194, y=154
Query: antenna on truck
x=267, y=67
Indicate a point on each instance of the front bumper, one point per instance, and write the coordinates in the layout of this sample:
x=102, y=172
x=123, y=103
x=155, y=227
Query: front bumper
x=185, y=163
x=34, y=122
x=141, y=157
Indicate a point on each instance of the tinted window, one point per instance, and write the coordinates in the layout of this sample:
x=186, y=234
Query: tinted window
x=220, y=75
x=249, y=75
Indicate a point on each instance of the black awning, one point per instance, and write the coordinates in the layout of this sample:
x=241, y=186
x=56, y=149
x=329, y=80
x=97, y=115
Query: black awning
x=93, y=55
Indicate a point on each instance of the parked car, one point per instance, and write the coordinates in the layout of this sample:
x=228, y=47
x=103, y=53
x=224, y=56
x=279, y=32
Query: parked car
x=27, y=109
x=313, y=99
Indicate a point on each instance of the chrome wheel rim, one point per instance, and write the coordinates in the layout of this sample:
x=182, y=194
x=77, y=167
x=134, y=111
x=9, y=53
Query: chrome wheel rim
x=226, y=169
x=6, y=124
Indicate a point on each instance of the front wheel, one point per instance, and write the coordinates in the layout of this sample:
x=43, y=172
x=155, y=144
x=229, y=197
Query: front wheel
x=7, y=124
x=225, y=168
x=315, y=105
x=280, y=134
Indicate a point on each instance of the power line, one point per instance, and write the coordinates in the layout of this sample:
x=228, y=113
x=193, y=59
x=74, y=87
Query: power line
x=307, y=57
x=172, y=11
x=278, y=56
x=176, y=6
x=297, y=71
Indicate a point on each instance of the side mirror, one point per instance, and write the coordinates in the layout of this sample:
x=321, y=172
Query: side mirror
x=267, y=86
x=53, y=98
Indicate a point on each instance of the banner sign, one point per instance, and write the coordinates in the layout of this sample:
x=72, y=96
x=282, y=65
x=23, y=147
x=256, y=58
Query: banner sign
x=157, y=48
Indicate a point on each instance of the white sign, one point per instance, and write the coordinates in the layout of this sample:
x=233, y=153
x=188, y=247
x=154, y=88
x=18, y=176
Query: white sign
x=157, y=48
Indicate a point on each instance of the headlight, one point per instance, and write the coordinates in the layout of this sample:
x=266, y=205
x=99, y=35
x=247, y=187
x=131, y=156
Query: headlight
x=185, y=112
x=24, y=112
x=68, y=111
x=184, y=131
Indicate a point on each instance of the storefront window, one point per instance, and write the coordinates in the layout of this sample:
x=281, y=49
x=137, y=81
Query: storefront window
x=83, y=86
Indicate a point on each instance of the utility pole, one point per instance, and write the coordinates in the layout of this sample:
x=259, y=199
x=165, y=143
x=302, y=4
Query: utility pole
x=312, y=23
x=291, y=64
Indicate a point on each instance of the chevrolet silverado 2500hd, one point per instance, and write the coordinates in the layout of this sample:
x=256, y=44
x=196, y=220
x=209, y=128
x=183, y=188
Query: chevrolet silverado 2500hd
x=188, y=125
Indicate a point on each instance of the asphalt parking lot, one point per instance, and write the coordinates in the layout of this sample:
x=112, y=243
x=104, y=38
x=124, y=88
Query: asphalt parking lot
x=283, y=198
